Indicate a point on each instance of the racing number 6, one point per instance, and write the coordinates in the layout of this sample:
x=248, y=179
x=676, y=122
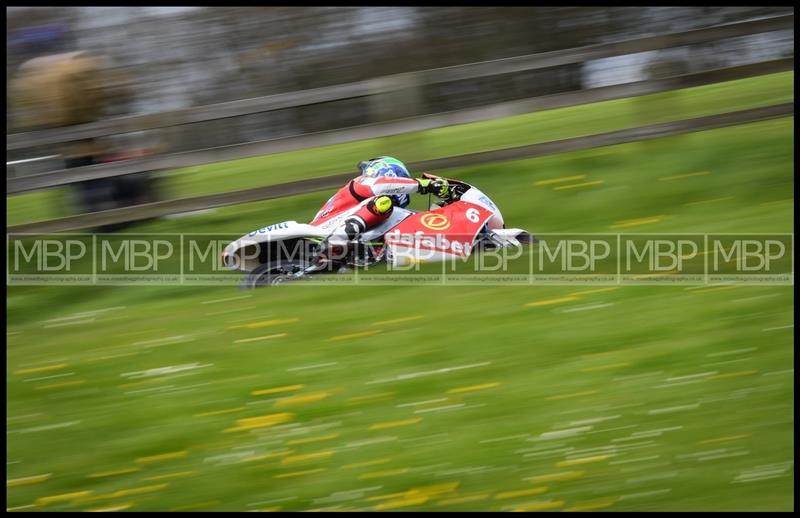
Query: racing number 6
x=473, y=215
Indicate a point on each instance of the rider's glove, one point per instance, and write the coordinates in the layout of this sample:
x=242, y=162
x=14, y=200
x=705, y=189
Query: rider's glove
x=439, y=187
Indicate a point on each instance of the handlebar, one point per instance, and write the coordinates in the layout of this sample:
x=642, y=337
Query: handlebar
x=457, y=187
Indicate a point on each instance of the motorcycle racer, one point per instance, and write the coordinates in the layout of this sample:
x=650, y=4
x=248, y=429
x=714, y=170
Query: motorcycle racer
x=384, y=183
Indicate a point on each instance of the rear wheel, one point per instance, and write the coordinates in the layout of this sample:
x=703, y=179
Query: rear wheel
x=274, y=273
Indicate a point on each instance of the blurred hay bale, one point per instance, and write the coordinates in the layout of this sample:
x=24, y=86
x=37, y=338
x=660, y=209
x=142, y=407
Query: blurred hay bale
x=59, y=90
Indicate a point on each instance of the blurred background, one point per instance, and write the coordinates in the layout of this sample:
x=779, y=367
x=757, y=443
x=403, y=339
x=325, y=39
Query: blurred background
x=409, y=397
x=70, y=66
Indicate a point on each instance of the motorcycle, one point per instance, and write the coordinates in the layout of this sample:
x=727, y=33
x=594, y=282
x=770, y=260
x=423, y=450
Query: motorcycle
x=465, y=221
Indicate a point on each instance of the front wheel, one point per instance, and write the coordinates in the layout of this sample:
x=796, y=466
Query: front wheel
x=273, y=273
x=526, y=238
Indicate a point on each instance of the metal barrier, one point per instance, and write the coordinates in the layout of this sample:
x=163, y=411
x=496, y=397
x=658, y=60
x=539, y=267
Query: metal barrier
x=384, y=129
x=152, y=210
x=396, y=82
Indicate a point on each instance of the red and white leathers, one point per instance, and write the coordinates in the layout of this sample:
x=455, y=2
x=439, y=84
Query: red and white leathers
x=378, y=191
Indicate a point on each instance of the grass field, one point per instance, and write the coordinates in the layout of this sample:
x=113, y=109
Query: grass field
x=429, y=397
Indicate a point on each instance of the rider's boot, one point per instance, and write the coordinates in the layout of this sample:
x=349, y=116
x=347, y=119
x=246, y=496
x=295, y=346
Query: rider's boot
x=336, y=245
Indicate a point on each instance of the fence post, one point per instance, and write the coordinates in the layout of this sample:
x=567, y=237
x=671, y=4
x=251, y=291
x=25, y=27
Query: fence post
x=403, y=98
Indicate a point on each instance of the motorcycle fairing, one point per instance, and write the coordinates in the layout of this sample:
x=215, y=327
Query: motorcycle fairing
x=438, y=234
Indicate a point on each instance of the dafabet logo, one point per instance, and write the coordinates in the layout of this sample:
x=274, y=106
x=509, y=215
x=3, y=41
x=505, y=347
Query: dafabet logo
x=435, y=221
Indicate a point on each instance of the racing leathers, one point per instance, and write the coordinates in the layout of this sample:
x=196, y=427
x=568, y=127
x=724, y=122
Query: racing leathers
x=380, y=195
